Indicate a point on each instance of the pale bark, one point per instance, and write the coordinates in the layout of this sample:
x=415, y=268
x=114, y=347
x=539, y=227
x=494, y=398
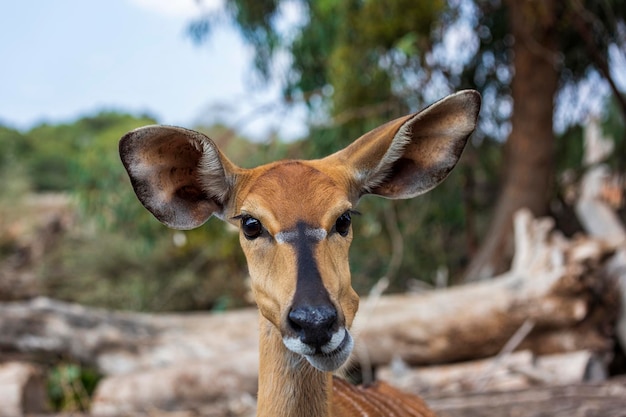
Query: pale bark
x=119, y=342
x=599, y=219
x=22, y=389
x=549, y=283
x=601, y=399
x=515, y=371
x=224, y=387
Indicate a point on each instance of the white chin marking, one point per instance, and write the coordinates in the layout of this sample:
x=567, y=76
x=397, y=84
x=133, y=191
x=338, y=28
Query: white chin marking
x=335, y=341
x=334, y=354
x=296, y=346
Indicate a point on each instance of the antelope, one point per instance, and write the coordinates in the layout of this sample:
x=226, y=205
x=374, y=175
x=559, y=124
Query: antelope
x=294, y=221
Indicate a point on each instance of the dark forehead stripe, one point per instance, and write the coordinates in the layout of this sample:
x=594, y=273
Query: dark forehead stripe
x=310, y=290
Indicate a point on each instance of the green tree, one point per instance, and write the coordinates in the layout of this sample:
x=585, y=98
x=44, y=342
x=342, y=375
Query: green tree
x=120, y=256
x=546, y=46
x=116, y=254
x=356, y=63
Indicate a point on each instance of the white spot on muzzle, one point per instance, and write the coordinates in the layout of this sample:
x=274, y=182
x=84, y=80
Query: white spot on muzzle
x=333, y=354
x=335, y=341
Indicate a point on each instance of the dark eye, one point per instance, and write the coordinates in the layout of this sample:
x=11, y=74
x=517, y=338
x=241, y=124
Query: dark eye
x=251, y=227
x=342, y=225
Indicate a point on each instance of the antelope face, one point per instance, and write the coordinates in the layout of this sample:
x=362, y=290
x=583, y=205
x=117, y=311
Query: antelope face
x=295, y=230
x=294, y=216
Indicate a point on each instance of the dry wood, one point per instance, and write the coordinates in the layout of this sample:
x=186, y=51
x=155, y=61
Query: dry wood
x=440, y=326
x=22, y=389
x=516, y=371
x=553, y=282
x=601, y=221
x=600, y=399
x=226, y=386
x=117, y=342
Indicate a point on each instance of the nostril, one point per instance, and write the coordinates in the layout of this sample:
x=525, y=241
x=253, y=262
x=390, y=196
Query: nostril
x=294, y=321
x=314, y=325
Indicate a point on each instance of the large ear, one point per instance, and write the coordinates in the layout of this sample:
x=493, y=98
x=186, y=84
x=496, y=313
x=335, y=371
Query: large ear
x=412, y=154
x=177, y=174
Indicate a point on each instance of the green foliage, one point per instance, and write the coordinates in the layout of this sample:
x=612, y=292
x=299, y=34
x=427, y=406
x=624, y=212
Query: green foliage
x=16, y=183
x=360, y=48
x=118, y=255
x=70, y=387
x=588, y=28
x=99, y=179
x=614, y=126
x=569, y=150
x=116, y=270
x=585, y=31
x=360, y=63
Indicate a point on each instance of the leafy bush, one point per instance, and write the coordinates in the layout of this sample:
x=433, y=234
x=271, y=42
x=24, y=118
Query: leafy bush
x=70, y=387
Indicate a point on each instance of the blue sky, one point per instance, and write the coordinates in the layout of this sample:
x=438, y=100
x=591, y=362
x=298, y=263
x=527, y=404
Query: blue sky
x=61, y=59
x=66, y=58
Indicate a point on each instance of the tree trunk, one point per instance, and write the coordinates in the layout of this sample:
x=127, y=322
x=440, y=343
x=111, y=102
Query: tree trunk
x=529, y=151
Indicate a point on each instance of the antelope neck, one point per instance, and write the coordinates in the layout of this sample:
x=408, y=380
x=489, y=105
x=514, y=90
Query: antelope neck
x=288, y=385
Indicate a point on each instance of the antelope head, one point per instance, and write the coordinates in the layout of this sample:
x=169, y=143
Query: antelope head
x=294, y=217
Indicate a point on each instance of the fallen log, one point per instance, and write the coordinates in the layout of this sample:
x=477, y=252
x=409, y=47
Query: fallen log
x=598, y=399
x=554, y=282
x=515, y=371
x=225, y=387
x=122, y=342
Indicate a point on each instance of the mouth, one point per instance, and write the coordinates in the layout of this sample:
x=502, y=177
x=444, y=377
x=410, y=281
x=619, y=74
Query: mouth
x=328, y=357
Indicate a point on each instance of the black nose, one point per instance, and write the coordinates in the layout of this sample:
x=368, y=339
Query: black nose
x=313, y=325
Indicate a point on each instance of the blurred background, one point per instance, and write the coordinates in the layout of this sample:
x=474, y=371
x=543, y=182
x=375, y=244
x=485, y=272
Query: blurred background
x=287, y=79
x=271, y=79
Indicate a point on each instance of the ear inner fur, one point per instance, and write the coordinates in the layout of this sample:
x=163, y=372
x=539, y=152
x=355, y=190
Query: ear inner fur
x=179, y=175
x=411, y=155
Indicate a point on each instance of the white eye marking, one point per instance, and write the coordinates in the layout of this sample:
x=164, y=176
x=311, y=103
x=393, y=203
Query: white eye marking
x=286, y=237
x=316, y=235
